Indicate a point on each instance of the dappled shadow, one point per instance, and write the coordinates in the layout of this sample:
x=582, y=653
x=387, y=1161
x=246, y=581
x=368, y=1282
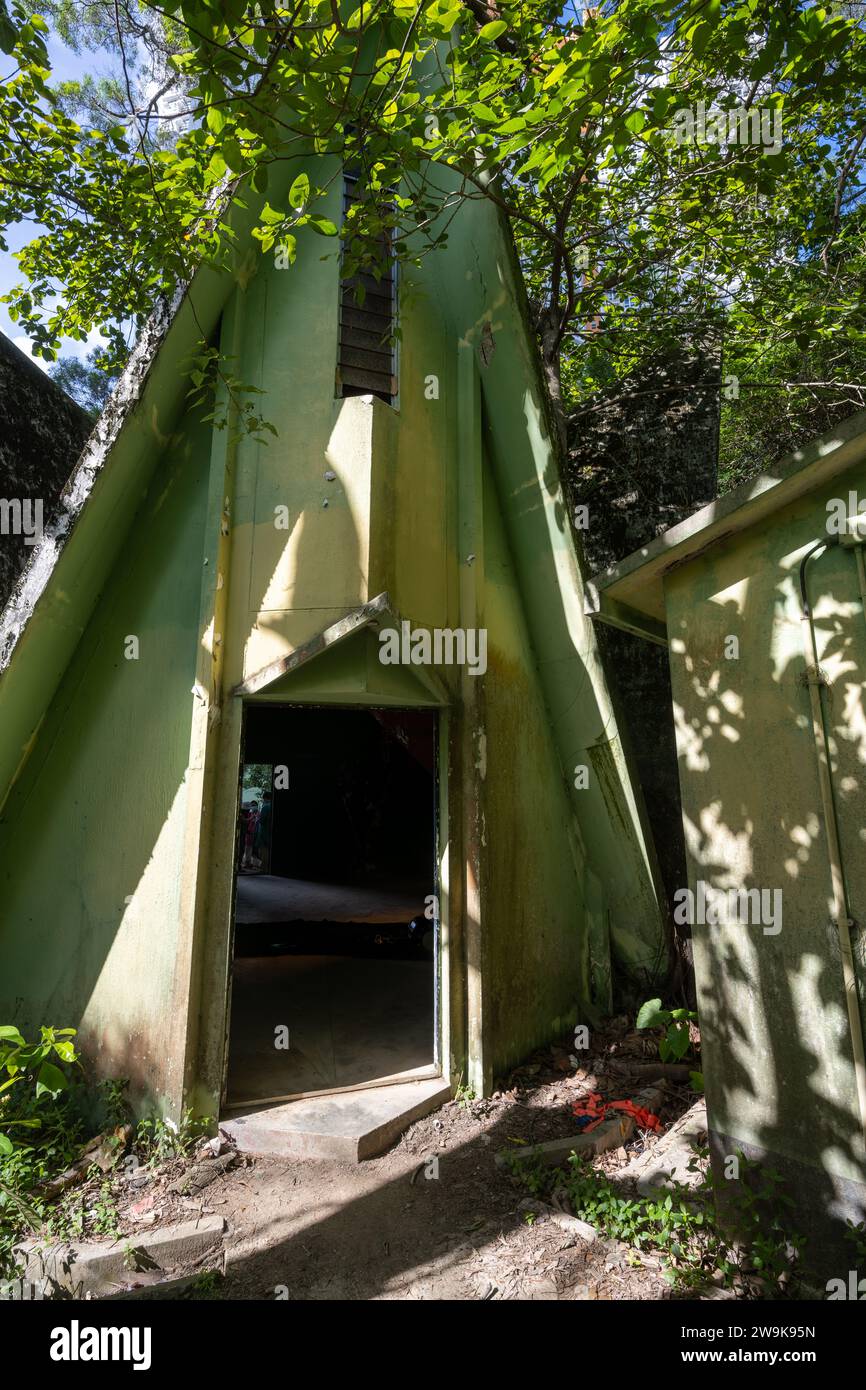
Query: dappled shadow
x=777, y=1049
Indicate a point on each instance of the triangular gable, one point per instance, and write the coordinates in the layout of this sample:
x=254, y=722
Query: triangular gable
x=52, y=606
x=342, y=663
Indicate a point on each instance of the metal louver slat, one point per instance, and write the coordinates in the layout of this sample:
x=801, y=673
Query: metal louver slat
x=357, y=381
x=366, y=359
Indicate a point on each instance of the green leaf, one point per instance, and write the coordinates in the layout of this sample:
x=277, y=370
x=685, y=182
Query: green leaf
x=651, y=1014
x=233, y=155
x=300, y=191
x=517, y=123
x=288, y=245
x=50, y=1080
x=322, y=226
x=700, y=37
x=677, y=1042
x=6, y=1145
x=492, y=31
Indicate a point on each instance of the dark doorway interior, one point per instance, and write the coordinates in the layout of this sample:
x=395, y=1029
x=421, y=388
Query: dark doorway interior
x=334, y=972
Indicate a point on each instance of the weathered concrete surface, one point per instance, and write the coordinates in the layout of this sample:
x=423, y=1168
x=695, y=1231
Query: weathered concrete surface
x=76, y=1270
x=777, y=1054
x=353, y=1021
x=42, y=432
x=776, y=1044
x=347, y=1127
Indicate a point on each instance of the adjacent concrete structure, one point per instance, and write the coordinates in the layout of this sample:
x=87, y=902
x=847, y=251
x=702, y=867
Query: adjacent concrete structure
x=760, y=597
x=195, y=570
x=42, y=432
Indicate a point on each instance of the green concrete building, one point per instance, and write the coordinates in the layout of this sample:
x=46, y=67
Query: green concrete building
x=208, y=603
x=760, y=599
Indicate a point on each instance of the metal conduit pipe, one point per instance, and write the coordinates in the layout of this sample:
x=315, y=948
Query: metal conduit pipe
x=844, y=923
x=861, y=576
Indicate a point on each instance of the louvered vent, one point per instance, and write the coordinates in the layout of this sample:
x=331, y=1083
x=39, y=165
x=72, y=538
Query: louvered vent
x=366, y=361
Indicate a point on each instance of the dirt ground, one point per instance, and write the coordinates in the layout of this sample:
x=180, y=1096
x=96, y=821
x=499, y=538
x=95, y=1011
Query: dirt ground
x=404, y=1227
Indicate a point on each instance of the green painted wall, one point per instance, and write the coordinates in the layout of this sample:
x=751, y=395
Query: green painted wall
x=487, y=290
x=537, y=946
x=776, y=1046
x=129, y=790
x=92, y=836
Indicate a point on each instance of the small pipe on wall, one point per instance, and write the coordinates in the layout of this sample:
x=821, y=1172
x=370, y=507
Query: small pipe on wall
x=844, y=923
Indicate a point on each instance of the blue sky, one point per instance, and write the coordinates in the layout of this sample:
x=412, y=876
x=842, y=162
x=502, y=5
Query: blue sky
x=65, y=65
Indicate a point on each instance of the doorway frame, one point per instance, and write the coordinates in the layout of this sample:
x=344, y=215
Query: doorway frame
x=442, y=934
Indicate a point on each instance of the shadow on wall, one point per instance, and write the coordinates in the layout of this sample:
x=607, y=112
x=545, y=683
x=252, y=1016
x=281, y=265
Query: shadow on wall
x=93, y=830
x=92, y=837
x=572, y=670
x=777, y=1049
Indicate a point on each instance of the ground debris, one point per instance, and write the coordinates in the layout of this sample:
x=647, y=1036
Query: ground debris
x=402, y=1226
x=101, y=1152
x=672, y=1159
x=202, y=1174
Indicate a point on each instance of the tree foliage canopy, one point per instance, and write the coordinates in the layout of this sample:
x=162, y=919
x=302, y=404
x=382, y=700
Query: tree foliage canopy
x=633, y=221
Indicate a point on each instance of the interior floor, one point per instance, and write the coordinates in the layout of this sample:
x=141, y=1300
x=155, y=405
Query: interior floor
x=333, y=981
x=350, y=1021
x=269, y=898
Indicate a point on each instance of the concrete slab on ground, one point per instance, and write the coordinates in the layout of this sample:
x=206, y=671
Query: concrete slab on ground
x=74, y=1270
x=346, y=1127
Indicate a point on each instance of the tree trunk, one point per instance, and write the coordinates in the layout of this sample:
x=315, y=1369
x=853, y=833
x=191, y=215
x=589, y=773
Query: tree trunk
x=548, y=331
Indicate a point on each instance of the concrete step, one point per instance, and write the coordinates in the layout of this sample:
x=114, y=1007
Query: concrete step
x=347, y=1127
x=97, y=1269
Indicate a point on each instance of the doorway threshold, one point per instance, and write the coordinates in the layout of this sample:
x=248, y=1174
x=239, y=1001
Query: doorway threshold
x=344, y=1126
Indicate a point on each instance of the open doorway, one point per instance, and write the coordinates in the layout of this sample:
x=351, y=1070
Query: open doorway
x=335, y=968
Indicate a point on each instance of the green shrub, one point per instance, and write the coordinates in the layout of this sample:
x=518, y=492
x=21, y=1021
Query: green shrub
x=40, y=1127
